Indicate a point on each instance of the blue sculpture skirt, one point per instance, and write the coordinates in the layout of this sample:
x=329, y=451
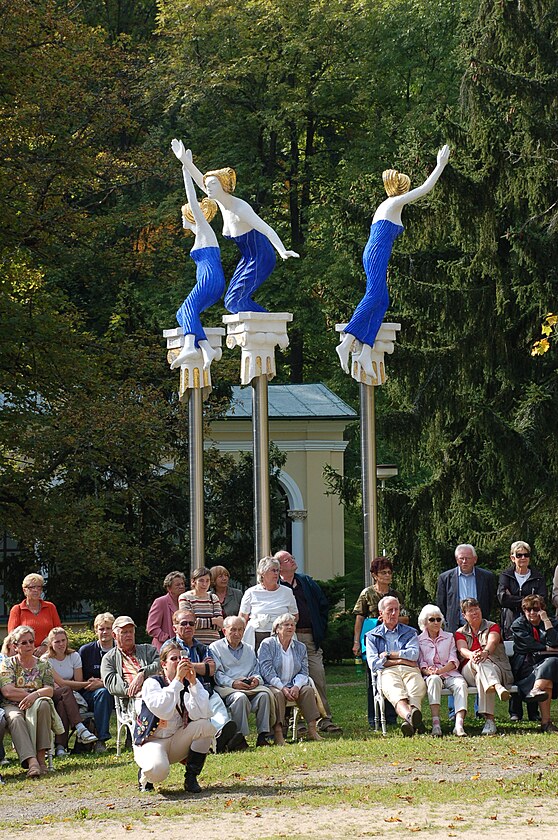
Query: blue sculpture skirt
x=209, y=288
x=255, y=265
x=369, y=314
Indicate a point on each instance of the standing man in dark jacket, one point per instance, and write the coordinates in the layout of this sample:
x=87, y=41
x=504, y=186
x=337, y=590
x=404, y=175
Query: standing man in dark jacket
x=467, y=580
x=311, y=627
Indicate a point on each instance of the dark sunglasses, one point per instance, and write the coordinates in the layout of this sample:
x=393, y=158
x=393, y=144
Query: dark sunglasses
x=435, y=618
x=522, y=554
x=187, y=624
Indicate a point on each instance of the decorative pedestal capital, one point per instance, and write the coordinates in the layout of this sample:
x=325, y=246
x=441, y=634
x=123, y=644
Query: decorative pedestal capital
x=257, y=334
x=192, y=373
x=385, y=343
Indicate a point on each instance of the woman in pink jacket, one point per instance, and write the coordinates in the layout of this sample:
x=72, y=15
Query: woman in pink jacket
x=159, y=620
x=438, y=661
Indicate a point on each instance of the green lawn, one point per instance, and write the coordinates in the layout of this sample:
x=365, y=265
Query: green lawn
x=339, y=771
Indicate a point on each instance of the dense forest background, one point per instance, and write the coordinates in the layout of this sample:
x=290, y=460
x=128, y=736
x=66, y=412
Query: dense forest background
x=309, y=101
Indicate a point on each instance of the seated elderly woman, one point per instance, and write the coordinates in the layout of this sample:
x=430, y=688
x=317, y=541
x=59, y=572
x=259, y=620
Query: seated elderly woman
x=438, y=662
x=263, y=603
x=535, y=659
x=68, y=680
x=172, y=723
x=27, y=685
x=484, y=660
x=8, y=649
x=284, y=668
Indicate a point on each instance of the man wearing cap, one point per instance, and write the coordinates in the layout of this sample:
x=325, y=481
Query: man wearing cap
x=125, y=667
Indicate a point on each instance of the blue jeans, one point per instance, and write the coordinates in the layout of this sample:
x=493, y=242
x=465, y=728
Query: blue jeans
x=101, y=703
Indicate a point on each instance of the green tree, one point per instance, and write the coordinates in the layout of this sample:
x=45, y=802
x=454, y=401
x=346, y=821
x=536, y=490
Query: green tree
x=472, y=415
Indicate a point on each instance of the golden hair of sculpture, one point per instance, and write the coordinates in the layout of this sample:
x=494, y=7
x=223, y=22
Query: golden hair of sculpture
x=226, y=176
x=395, y=183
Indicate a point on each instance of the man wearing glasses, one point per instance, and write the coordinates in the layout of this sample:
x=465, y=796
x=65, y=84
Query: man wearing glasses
x=229, y=739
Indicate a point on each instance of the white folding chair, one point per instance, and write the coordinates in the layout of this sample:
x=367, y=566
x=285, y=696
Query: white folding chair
x=125, y=718
x=379, y=702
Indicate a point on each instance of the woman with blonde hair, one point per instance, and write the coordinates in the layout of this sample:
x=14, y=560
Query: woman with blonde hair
x=255, y=239
x=34, y=612
x=27, y=685
x=68, y=680
x=386, y=227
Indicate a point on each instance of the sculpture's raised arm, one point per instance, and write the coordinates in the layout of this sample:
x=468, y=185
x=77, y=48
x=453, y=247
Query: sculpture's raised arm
x=418, y=192
x=361, y=331
x=181, y=153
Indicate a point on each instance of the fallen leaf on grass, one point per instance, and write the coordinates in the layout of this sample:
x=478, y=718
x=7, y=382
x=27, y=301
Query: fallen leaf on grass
x=406, y=798
x=495, y=817
x=475, y=777
x=392, y=819
x=415, y=828
x=229, y=802
x=458, y=818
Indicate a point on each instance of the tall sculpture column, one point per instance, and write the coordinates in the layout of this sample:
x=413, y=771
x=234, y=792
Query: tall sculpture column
x=258, y=334
x=195, y=387
x=385, y=343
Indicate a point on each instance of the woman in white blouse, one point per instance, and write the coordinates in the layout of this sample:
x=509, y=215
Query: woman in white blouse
x=172, y=722
x=263, y=603
x=68, y=680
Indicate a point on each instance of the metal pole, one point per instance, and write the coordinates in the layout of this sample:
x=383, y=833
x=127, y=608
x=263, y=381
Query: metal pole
x=260, y=437
x=195, y=461
x=368, y=461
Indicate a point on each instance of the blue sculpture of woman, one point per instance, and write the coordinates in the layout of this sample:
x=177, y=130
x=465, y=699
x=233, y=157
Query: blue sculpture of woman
x=385, y=228
x=254, y=237
x=210, y=280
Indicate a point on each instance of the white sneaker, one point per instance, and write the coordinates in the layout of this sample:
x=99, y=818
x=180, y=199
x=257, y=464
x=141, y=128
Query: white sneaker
x=60, y=751
x=489, y=728
x=459, y=732
x=436, y=730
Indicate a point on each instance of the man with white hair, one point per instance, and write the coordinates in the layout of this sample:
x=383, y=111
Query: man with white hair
x=465, y=580
x=392, y=650
x=238, y=681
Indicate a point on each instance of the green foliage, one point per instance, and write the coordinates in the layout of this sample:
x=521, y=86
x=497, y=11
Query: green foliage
x=77, y=638
x=472, y=415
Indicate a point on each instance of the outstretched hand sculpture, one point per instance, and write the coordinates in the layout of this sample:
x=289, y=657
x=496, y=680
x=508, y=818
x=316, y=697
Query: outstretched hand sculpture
x=210, y=280
x=385, y=228
x=254, y=237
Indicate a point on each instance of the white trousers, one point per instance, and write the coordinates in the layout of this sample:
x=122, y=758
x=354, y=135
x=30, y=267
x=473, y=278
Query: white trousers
x=157, y=754
x=457, y=686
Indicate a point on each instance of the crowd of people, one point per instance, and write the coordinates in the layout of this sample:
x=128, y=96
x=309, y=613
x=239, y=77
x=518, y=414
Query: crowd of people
x=218, y=655
x=469, y=651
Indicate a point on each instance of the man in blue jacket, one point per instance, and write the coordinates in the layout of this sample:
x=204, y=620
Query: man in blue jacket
x=311, y=626
x=392, y=649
